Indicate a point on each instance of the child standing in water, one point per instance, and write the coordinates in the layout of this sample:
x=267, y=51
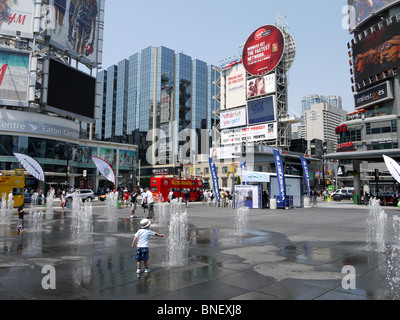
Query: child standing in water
x=20, y=225
x=142, y=249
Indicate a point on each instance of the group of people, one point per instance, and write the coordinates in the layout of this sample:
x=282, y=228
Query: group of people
x=226, y=198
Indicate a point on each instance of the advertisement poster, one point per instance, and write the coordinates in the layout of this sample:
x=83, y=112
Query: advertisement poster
x=252, y=195
x=261, y=86
x=14, y=72
x=263, y=50
x=268, y=131
x=233, y=86
x=109, y=155
x=17, y=16
x=232, y=119
x=377, y=53
x=76, y=27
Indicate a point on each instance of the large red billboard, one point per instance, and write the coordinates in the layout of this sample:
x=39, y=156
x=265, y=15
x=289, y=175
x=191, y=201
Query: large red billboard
x=263, y=50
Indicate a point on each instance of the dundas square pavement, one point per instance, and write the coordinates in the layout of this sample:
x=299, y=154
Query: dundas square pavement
x=297, y=254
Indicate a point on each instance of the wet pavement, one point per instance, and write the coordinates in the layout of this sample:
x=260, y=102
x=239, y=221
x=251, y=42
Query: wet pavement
x=296, y=254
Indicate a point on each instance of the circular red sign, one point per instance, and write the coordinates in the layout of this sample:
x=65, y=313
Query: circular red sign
x=263, y=50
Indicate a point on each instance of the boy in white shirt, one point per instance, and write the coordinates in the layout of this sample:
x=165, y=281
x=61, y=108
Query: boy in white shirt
x=142, y=248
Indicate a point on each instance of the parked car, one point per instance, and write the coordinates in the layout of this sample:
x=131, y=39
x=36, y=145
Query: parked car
x=84, y=194
x=342, y=194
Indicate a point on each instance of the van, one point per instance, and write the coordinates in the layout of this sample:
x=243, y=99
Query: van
x=345, y=193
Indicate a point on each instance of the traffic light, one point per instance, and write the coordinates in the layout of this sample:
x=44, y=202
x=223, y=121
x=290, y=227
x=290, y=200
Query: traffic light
x=232, y=168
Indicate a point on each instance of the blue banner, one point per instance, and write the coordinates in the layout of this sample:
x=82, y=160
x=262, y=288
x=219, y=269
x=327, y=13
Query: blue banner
x=306, y=174
x=214, y=179
x=281, y=179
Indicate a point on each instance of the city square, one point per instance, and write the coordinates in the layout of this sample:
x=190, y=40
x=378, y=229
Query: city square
x=297, y=254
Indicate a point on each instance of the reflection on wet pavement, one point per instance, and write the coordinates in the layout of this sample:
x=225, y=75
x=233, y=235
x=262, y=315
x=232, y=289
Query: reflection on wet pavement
x=258, y=264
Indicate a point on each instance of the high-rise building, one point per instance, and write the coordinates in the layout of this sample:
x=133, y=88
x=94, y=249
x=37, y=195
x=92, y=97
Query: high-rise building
x=156, y=89
x=308, y=101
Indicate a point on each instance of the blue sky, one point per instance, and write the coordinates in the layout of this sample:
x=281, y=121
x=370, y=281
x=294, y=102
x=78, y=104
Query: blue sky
x=213, y=30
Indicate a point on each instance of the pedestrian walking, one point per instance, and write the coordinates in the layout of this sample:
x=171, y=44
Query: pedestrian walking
x=20, y=224
x=142, y=247
x=134, y=196
x=150, y=203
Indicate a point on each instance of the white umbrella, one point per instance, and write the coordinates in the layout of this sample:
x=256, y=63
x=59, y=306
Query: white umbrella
x=393, y=167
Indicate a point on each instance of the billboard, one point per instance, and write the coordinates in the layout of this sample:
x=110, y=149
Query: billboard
x=17, y=16
x=226, y=152
x=70, y=92
x=261, y=86
x=374, y=95
x=233, y=82
x=263, y=50
x=76, y=29
x=261, y=110
x=233, y=118
x=361, y=10
x=14, y=77
x=262, y=132
x=377, y=53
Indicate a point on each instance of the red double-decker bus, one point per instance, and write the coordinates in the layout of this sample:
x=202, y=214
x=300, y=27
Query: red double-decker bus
x=162, y=186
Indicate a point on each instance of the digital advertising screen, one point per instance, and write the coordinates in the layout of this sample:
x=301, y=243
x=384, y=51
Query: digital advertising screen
x=377, y=53
x=361, y=10
x=261, y=110
x=263, y=50
x=70, y=91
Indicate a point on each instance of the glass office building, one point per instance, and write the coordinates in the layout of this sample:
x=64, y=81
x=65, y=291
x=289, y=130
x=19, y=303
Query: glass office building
x=156, y=89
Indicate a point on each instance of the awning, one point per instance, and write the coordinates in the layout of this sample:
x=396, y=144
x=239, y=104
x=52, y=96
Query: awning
x=251, y=176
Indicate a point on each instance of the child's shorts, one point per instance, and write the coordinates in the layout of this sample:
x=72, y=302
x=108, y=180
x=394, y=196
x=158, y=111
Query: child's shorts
x=142, y=254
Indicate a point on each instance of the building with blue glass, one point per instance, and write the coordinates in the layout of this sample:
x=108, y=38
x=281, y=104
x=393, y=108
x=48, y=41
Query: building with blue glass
x=157, y=89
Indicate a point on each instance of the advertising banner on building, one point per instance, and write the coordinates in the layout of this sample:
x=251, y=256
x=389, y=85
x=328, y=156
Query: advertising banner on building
x=306, y=174
x=281, y=201
x=17, y=16
x=80, y=32
x=374, y=95
x=226, y=152
x=261, y=86
x=268, y=131
x=261, y=110
x=31, y=165
x=214, y=178
x=263, y=50
x=233, y=87
x=233, y=118
x=360, y=11
x=377, y=53
x=14, y=76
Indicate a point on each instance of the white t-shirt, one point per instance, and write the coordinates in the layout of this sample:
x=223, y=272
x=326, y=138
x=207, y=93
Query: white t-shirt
x=149, y=196
x=143, y=236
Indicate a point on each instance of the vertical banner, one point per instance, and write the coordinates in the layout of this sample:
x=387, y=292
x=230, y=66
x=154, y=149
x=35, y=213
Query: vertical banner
x=214, y=178
x=306, y=174
x=393, y=167
x=105, y=169
x=281, y=178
